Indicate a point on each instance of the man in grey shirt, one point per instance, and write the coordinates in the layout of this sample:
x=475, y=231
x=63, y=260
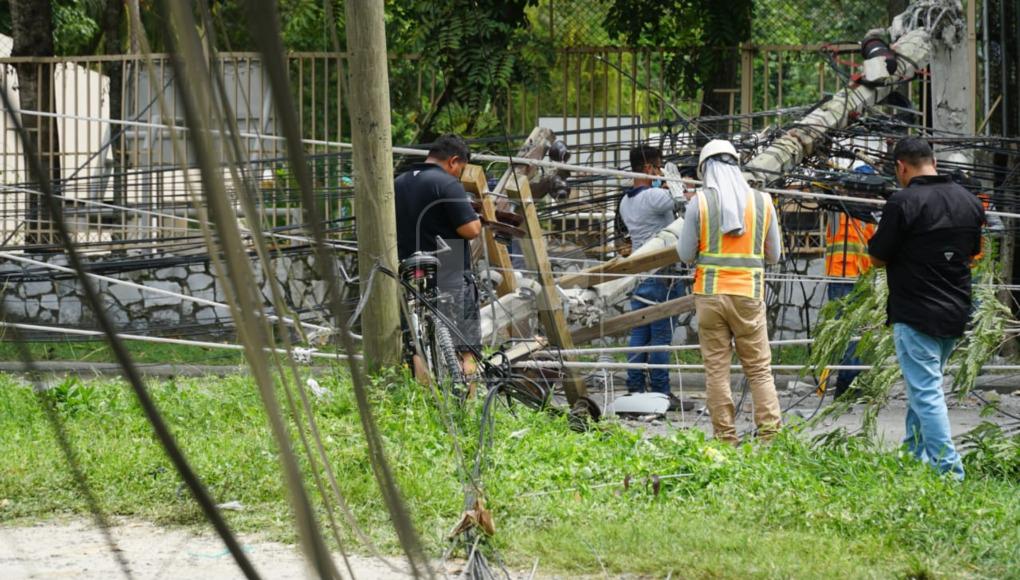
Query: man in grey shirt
x=646, y=209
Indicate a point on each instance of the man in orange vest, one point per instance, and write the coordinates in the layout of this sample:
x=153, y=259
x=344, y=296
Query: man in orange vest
x=730, y=232
x=846, y=257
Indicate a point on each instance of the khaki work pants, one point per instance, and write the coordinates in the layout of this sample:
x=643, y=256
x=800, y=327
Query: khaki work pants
x=725, y=321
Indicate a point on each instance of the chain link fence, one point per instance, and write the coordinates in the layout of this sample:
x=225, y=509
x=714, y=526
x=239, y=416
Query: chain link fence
x=796, y=22
x=574, y=23
x=581, y=23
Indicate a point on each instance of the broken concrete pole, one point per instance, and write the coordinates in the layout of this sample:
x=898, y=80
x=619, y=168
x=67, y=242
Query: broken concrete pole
x=788, y=151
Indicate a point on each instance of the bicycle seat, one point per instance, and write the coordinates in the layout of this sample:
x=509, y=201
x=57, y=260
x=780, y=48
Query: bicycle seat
x=418, y=265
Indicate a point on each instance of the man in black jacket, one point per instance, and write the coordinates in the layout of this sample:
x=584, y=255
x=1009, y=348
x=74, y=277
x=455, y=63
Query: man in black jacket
x=431, y=203
x=929, y=232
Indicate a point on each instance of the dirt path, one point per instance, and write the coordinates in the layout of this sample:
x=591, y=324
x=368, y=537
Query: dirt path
x=76, y=550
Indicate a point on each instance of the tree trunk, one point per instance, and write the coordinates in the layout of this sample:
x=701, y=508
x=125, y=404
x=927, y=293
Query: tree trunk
x=134, y=25
x=727, y=25
x=895, y=8
x=723, y=75
x=113, y=43
x=32, y=30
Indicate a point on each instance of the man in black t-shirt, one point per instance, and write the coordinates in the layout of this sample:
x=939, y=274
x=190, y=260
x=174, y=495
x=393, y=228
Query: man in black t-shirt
x=930, y=231
x=430, y=203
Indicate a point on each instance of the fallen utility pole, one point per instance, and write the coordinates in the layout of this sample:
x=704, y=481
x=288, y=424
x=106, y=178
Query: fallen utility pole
x=624, y=322
x=373, y=179
x=787, y=152
x=784, y=153
x=536, y=256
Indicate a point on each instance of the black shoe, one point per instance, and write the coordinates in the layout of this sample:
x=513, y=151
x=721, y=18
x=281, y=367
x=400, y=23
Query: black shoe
x=845, y=392
x=676, y=404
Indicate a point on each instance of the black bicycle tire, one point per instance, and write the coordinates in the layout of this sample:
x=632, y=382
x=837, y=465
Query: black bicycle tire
x=447, y=362
x=531, y=396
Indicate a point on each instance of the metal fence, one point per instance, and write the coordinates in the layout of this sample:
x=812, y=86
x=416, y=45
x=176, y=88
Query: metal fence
x=130, y=180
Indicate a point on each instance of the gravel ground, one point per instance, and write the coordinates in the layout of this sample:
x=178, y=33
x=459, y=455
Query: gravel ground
x=799, y=402
x=75, y=549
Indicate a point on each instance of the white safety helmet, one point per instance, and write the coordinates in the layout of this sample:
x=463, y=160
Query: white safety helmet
x=713, y=148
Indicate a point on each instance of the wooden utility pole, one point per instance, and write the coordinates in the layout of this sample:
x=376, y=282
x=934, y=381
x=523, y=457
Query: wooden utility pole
x=373, y=179
x=474, y=182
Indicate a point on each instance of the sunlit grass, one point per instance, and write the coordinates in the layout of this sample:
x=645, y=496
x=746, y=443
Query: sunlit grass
x=787, y=510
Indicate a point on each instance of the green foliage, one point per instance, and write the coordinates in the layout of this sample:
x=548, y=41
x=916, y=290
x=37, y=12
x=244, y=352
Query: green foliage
x=859, y=314
x=305, y=26
x=800, y=22
x=993, y=452
x=648, y=23
x=862, y=314
x=988, y=326
x=71, y=396
x=702, y=30
x=571, y=23
x=462, y=119
x=480, y=49
x=75, y=25
x=5, y=18
x=556, y=495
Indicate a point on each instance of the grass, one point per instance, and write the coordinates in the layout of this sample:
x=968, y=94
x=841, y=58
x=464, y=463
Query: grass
x=786, y=510
x=142, y=352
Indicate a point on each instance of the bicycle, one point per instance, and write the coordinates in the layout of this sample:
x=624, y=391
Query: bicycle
x=429, y=335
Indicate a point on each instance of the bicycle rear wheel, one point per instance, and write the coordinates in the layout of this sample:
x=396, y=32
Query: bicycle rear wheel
x=446, y=362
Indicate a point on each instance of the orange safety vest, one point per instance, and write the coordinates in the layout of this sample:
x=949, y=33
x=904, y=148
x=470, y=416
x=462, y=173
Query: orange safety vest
x=986, y=202
x=728, y=264
x=846, y=246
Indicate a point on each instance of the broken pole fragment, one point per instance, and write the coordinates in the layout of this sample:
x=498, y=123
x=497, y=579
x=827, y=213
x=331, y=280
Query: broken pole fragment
x=536, y=257
x=473, y=180
x=624, y=322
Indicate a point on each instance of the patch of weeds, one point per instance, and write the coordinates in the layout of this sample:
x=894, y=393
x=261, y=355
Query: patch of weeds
x=992, y=453
x=72, y=396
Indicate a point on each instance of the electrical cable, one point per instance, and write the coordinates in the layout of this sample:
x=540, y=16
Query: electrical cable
x=152, y=413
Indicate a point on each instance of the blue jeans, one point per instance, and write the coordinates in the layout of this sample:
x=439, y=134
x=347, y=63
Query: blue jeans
x=922, y=359
x=656, y=333
x=836, y=291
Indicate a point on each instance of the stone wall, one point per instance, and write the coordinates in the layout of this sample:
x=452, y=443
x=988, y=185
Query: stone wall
x=40, y=296
x=32, y=294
